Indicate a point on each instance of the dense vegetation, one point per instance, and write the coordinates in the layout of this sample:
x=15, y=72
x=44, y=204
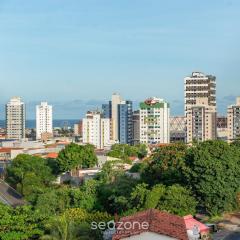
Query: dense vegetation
x=175, y=178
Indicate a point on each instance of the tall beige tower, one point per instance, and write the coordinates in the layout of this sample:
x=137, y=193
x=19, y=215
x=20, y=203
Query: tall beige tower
x=15, y=118
x=201, y=121
x=233, y=121
x=116, y=100
x=199, y=85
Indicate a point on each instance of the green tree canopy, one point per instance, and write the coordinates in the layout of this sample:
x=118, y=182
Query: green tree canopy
x=76, y=156
x=26, y=167
x=213, y=172
x=166, y=165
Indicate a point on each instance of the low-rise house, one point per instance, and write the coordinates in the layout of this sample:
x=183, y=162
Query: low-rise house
x=153, y=224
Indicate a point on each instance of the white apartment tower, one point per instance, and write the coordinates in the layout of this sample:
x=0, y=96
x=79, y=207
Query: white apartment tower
x=201, y=121
x=15, y=118
x=199, y=85
x=233, y=121
x=154, y=121
x=96, y=130
x=44, y=120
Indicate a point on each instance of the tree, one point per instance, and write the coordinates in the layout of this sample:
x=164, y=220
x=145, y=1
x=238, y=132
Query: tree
x=85, y=197
x=123, y=151
x=178, y=200
x=141, y=151
x=25, y=165
x=53, y=201
x=213, y=172
x=174, y=199
x=76, y=156
x=166, y=165
x=114, y=197
x=19, y=223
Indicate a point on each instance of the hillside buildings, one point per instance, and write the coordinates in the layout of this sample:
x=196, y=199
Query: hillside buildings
x=154, y=121
x=96, y=130
x=233, y=121
x=15, y=118
x=201, y=121
x=44, y=125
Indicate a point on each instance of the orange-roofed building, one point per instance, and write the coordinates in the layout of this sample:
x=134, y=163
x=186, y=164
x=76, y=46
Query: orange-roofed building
x=52, y=155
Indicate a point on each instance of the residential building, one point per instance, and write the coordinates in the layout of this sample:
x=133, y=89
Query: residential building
x=233, y=121
x=199, y=85
x=177, y=129
x=15, y=118
x=44, y=121
x=107, y=110
x=201, y=121
x=78, y=128
x=222, y=129
x=125, y=122
x=154, y=121
x=116, y=99
x=96, y=130
x=120, y=112
x=136, y=127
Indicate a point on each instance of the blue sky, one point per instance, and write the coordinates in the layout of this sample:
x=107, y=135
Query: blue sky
x=71, y=51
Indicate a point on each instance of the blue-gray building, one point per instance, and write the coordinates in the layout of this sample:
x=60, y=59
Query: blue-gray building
x=107, y=110
x=125, y=122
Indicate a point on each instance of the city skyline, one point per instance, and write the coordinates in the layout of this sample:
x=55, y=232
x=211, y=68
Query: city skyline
x=76, y=109
x=138, y=48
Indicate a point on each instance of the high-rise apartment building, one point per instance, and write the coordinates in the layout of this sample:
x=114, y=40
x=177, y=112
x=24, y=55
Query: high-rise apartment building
x=15, y=118
x=125, y=122
x=201, y=121
x=233, y=121
x=116, y=100
x=120, y=112
x=154, y=121
x=96, y=130
x=136, y=127
x=199, y=85
x=107, y=110
x=44, y=125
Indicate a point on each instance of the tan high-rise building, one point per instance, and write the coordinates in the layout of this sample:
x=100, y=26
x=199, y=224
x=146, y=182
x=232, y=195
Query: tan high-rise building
x=233, y=119
x=199, y=85
x=201, y=121
x=116, y=100
x=15, y=118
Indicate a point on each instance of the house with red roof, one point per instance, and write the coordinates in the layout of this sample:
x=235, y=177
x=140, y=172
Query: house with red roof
x=153, y=224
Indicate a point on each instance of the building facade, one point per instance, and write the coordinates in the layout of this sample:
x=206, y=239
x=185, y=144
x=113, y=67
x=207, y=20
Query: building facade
x=136, y=127
x=233, y=121
x=154, y=121
x=199, y=85
x=96, y=130
x=44, y=120
x=177, y=129
x=116, y=100
x=15, y=118
x=125, y=122
x=201, y=121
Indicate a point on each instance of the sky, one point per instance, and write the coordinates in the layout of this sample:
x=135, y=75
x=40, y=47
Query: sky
x=76, y=53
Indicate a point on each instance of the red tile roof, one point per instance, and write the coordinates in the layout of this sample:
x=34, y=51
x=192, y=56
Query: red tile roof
x=159, y=222
x=52, y=155
x=8, y=150
x=191, y=223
